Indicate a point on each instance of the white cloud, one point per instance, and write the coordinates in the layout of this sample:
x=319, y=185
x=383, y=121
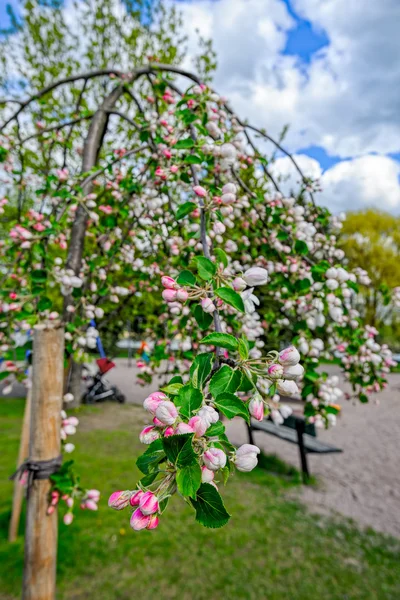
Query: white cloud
x=368, y=181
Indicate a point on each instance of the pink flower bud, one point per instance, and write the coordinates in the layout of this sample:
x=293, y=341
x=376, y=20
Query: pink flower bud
x=198, y=425
x=91, y=505
x=138, y=520
x=168, y=282
x=207, y=476
x=169, y=295
x=152, y=401
x=214, y=459
x=119, y=500
x=182, y=295
x=169, y=431
x=200, y=191
x=68, y=518
x=275, y=371
x=219, y=228
x=93, y=495
x=183, y=428
x=149, y=434
x=153, y=523
x=239, y=284
x=148, y=503
x=207, y=305
x=135, y=498
x=228, y=198
x=289, y=356
x=229, y=188
x=246, y=457
x=256, y=407
x=293, y=372
x=50, y=509
x=166, y=412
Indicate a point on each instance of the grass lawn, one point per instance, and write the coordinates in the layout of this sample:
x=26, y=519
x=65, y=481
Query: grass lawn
x=271, y=549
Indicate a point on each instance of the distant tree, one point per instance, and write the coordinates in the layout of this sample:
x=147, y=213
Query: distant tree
x=371, y=240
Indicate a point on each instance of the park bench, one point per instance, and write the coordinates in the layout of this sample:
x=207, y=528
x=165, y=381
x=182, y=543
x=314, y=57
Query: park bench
x=296, y=431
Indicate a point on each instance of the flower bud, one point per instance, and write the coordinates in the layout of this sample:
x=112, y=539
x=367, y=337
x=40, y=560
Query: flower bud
x=148, y=503
x=256, y=407
x=149, y=434
x=152, y=401
x=209, y=415
x=153, y=523
x=198, y=425
x=169, y=431
x=275, y=371
x=256, y=276
x=139, y=521
x=214, y=459
x=119, y=500
x=229, y=188
x=239, y=284
x=228, y=198
x=182, y=295
x=168, y=282
x=169, y=295
x=166, y=412
x=200, y=191
x=68, y=518
x=68, y=397
x=293, y=372
x=183, y=428
x=246, y=457
x=289, y=356
x=207, y=305
x=207, y=476
x=135, y=498
x=287, y=388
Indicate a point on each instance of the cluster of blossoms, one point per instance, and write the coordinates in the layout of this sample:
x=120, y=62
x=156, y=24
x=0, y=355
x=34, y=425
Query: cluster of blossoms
x=186, y=179
x=88, y=500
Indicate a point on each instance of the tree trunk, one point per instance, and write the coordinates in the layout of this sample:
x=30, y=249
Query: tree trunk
x=45, y=444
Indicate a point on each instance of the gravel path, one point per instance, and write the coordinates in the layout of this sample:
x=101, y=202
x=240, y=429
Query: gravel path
x=362, y=483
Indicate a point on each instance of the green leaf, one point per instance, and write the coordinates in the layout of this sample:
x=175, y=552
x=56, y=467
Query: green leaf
x=205, y=268
x=312, y=376
x=4, y=374
x=203, y=319
x=148, y=479
x=179, y=449
x=210, y=510
x=201, y=368
x=153, y=455
x=216, y=429
x=39, y=275
x=225, y=380
x=189, y=399
x=188, y=480
x=223, y=340
x=44, y=304
x=301, y=247
x=221, y=256
x=185, y=209
x=172, y=388
x=193, y=159
x=184, y=144
x=363, y=398
x=231, y=406
x=243, y=348
x=303, y=285
x=186, y=278
x=230, y=297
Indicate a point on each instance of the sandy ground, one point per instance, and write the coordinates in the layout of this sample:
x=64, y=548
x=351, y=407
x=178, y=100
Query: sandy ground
x=362, y=483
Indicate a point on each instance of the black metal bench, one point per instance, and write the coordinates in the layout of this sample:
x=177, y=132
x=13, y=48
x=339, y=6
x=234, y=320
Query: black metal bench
x=296, y=431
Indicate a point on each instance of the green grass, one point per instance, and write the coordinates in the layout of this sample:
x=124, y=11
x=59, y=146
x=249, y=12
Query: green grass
x=271, y=549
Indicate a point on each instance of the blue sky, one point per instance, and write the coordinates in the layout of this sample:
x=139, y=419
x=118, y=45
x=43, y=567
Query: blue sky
x=327, y=68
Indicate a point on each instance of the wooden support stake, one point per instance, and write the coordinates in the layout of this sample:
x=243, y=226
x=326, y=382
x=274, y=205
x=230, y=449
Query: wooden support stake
x=19, y=489
x=41, y=529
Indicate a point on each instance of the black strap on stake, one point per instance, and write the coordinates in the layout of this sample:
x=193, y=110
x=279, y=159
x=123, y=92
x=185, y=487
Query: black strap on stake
x=38, y=469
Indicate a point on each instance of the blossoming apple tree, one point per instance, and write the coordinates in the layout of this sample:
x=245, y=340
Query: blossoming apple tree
x=171, y=197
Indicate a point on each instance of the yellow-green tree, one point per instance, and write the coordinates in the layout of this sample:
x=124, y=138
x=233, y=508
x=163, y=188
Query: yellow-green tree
x=371, y=240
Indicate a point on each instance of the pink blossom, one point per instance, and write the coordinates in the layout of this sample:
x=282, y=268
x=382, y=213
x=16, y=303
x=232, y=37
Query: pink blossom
x=153, y=400
x=207, y=305
x=183, y=428
x=119, y=500
x=214, y=459
x=166, y=412
x=135, y=498
x=246, y=457
x=148, y=435
x=198, y=425
x=275, y=371
x=68, y=518
x=106, y=209
x=174, y=169
x=182, y=295
x=289, y=356
x=153, y=523
x=139, y=521
x=169, y=295
x=207, y=476
x=169, y=431
x=200, y=191
x=256, y=407
x=168, y=282
x=148, y=503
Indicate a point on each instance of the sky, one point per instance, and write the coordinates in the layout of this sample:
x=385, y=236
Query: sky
x=329, y=69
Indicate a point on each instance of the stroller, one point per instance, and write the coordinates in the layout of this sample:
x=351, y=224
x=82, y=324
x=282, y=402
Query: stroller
x=99, y=389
